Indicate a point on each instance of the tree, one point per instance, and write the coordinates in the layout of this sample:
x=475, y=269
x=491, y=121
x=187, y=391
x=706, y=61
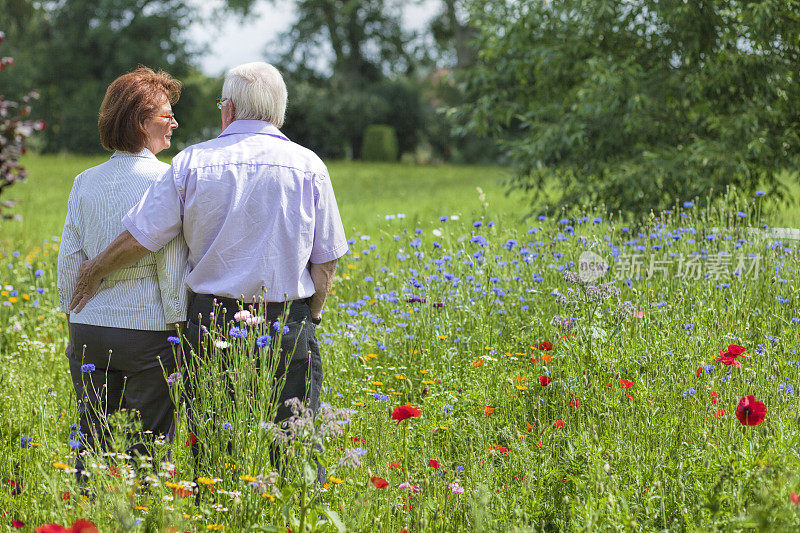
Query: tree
x=640, y=102
x=364, y=38
x=88, y=43
x=15, y=127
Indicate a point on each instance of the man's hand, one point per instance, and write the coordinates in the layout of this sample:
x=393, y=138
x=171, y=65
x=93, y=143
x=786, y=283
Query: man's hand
x=123, y=251
x=322, y=274
x=86, y=286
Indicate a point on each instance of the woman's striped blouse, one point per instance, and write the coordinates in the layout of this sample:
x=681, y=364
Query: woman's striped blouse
x=148, y=295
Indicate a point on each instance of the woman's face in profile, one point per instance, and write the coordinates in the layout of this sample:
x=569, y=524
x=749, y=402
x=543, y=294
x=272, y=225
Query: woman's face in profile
x=159, y=127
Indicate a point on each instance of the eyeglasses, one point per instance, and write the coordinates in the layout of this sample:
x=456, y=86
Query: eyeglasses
x=222, y=102
x=170, y=116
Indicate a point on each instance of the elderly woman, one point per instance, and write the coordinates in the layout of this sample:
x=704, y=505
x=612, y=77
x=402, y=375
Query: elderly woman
x=118, y=349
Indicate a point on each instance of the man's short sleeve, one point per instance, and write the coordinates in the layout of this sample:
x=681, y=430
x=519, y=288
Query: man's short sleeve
x=158, y=216
x=329, y=240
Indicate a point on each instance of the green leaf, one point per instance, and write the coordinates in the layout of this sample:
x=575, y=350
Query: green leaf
x=333, y=516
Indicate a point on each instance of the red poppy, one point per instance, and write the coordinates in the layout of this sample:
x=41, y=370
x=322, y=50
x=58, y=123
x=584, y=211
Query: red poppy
x=714, y=396
x=488, y=410
x=750, y=411
x=545, y=380
x=629, y=397
x=434, y=463
x=720, y=413
x=545, y=346
x=84, y=526
x=17, y=524
x=558, y=424
x=79, y=526
x=191, y=440
x=794, y=498
x=699, y=371
x=379, y=482
x=574, y=403
x=395, y=465
x=403, y=412
x=500, y=449
x=626, y=384
x=729, y=357
x=528, y=426
x=735, y=349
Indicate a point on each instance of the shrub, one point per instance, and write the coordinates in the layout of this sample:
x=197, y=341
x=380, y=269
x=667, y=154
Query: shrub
x=380, y=144
x=14, y=129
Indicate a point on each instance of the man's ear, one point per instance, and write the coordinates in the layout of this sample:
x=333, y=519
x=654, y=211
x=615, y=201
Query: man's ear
x=233, y=110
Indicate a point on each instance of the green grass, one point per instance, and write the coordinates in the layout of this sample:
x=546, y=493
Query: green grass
x=628, y=435
x=365, y=192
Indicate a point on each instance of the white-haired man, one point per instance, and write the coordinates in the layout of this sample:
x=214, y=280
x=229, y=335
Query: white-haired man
x=259, y=217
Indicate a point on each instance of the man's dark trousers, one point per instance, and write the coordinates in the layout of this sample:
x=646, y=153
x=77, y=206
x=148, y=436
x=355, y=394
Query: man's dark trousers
x=299, y=345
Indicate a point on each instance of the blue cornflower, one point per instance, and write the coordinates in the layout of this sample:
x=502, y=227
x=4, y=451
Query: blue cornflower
x=74, y=444
x=597, y=220
x=687, y=205
x=173, y=340
x=226, y=425
x=25, y=442
x=660, y=304
x=263, y=340
x=689, y=327
x=285, y=330
x=760, y=193
x=689, y=392
x=276, y=325
x=88, y=367
x=443, y=219
x=237, y=332
x=40, y=290
x=379, y=396
x=458, y=469
x=741, y=214
x=39, y=273
x=476, y=224
x=709, y=368
x=360, y=451
x=448, y=408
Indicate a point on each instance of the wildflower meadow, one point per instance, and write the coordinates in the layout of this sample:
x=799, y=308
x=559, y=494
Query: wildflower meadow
x=484, y=371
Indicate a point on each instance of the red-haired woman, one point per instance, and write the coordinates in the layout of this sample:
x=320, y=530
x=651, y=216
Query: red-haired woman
x=120, y=351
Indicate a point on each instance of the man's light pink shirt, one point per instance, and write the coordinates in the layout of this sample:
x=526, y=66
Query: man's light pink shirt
x=255, y=210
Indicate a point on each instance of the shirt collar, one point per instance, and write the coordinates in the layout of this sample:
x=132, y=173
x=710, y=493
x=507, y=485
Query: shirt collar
x=143, y=153
x=259, y=127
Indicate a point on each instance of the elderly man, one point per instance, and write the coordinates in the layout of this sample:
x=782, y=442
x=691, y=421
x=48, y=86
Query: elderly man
x=260, y=220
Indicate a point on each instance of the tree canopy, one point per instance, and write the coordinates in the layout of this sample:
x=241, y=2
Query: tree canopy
x=641, y=102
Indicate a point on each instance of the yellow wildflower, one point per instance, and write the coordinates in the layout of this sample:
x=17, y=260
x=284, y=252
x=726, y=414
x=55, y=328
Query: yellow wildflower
x=249, y=479
x=336, y=480
x=60, y=466
x=376, y=383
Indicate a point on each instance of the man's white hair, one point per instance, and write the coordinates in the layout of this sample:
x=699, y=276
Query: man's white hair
x=257, y=91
